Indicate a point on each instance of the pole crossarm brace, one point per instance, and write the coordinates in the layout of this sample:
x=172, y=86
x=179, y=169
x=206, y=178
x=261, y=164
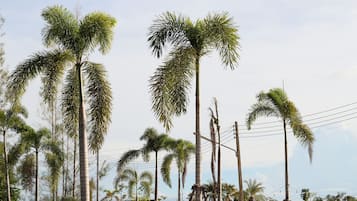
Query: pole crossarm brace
x=225, y=146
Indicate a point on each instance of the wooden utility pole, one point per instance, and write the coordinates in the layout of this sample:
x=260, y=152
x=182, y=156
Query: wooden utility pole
x=240, y=182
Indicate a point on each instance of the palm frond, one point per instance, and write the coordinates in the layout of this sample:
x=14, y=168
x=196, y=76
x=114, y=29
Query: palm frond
x=126, y=158
x=97, y=29
x=170, y=28
x=15, y=153
x=222, y=33
x=170, y=84
x=52, y=76
x=61, y=28
x=146, y=176
x=305, y=136
x=146, y=188
x=26, y=171
x=31, y=67
x=149, y=133
x=100, y=103
x=70, y=103
x=166, y=167
x=260, y=109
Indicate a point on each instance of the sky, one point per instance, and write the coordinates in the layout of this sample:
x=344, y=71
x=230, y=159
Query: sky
x=307, y=47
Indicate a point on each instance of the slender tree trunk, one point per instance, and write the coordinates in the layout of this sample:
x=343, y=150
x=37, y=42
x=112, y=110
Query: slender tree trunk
x=37, y=195
x=97, y=186
x=198, y=134
x=286, y=164
x=178, y=185
x=156, y=190
x=8, y=189
x=136, y=191
x=83, y=145
x=63, y=168
x=74, y=165
x=67, y=162
x=219, y=165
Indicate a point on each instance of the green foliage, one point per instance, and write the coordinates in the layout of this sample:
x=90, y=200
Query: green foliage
x=139, y=186
x=275, y=103
x=190, y=41
x=180, y=151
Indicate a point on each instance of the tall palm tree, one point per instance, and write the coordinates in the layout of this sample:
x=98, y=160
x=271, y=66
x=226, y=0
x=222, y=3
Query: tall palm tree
x=137, y=184
x=154, y=143
x=180, y=151
x=190, y=41
x=254, y=190
x=10, y=119
x=71, y=41
x=276, y=103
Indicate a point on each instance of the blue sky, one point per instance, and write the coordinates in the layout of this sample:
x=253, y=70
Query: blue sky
x=310, y=45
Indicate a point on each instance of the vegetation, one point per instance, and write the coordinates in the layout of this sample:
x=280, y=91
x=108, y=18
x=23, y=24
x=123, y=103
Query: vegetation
x=180, y=151
x=139, y=185
x=191, y=41
x=71, y=41
x=32, y=156
x=154, y=143
x=275, y=103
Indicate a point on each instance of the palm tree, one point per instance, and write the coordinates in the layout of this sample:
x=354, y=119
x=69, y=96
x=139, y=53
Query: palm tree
x=254, y=190
x=180, y=151
x=275, y=103
x=71, y=41
x=154, y=143
x=136, y=183
x=190, y=41
x=10, y=119
x=36, y=140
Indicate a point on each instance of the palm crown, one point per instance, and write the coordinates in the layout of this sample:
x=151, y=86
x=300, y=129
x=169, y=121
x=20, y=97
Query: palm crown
x=190, y=41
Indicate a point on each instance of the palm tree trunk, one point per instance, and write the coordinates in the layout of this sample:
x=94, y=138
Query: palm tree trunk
x=179, y=185
x=136, y=191
x=63, y=168
x=219, y=166
x=74, y=165
x=198, y=135
x=286, y=164
x=6, y=168
x=97, y=186
x=37, y=197
x=156, y=190
x=83, y=145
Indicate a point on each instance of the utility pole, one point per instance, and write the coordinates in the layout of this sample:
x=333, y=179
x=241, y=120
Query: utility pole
x=240, y=182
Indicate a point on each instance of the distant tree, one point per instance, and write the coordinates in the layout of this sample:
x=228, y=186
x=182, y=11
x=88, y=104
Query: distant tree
x=139, y=186
x=154, y=143
x=254, y=190
x=276, y=103
x=305, y=194
x=36, y=142
x=180, y=151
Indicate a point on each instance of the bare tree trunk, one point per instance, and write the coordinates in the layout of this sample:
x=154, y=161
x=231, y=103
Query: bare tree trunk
x=286, y=164
x=74, y=165
x=83, y=145
x=198, y=134
x=179, y=185
x=156, y=190
x=8, y=189
x=97, y=186
x=63, y=169
x=37, y=195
